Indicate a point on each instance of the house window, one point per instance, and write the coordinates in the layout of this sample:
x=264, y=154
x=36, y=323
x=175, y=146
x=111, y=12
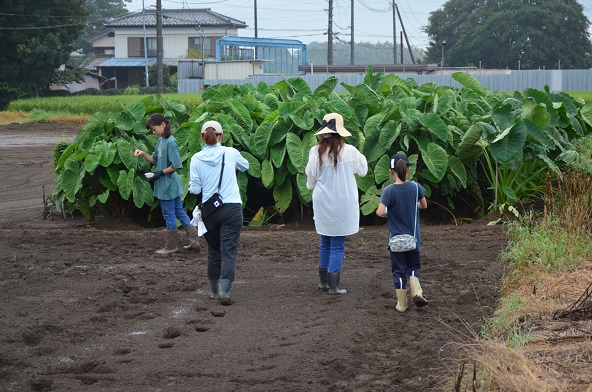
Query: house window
x=195, y=43
x=135, y=47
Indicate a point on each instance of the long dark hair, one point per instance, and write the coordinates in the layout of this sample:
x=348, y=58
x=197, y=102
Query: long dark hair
x=157, y=119
x=333, y=144
x=210, y=137
x=401, y=170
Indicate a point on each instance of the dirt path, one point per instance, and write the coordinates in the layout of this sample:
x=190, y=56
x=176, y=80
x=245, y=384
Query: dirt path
x=91, y=307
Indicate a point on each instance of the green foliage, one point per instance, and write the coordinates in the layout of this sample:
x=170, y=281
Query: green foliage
x=499, y=34
x=99, y=11
x=153, y=75
x=58, y=150
x=461, y=141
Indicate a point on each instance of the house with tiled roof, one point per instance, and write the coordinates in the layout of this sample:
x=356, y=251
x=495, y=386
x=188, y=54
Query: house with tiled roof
x=133, y=37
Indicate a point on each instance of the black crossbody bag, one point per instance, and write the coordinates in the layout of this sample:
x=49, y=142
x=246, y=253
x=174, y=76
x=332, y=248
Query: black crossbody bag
x=213, y=204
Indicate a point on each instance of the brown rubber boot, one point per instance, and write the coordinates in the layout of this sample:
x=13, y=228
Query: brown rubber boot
x=171, y=240
x=417, y=292
x=193, y=238
x=401, y=301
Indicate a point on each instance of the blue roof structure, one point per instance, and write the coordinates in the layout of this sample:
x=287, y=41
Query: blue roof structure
x=280, y=56
x=133, y=62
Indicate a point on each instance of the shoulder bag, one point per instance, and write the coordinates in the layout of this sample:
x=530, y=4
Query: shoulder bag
x=213, y=204
x=405, y=242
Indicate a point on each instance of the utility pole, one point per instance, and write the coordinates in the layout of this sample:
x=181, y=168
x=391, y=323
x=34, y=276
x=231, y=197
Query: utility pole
x=159, y=48
x=406, y=39
x=330, y=35
x=145, y=45
x=394, y=32
x=255, y=19
x=352, y=34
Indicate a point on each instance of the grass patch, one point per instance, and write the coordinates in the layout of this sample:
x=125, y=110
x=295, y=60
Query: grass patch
x=90, y=104
x=12, y=117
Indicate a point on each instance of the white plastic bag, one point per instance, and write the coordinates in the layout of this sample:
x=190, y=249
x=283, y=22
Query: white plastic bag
x=197, y=222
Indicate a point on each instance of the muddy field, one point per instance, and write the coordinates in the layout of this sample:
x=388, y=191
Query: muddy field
x=90, y=307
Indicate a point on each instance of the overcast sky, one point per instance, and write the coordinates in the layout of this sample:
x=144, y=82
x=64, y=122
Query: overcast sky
x=306, y=20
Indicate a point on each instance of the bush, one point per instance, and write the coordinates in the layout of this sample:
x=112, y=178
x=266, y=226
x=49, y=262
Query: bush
x=88, y=91
x=146, y=90
x=131, y=90
x=111, y=91
x=58, y=150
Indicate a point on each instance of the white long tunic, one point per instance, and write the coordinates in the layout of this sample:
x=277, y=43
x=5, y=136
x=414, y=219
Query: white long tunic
x=335, y=202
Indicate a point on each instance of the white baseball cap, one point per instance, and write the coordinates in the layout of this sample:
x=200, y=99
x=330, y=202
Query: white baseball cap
x=212, y=124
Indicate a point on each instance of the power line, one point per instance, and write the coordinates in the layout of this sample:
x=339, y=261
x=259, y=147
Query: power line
x=42, y=27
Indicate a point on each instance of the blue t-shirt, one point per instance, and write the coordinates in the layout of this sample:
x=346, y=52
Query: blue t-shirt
x=166, y=154
x=401, y=202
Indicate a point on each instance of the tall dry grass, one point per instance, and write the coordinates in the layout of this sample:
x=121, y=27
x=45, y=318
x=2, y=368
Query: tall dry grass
x=522, y=348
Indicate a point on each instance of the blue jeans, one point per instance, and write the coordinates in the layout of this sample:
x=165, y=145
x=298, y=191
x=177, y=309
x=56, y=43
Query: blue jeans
x=173, y=210
x=331, y=253
x=404, y=264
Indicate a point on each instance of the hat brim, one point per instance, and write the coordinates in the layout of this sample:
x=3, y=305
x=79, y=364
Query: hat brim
x=340, y=130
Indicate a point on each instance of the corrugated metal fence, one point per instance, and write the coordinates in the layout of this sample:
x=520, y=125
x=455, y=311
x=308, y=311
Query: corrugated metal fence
x=557, y=80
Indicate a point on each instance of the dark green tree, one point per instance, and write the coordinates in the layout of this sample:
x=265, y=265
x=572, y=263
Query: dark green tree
x=99, y=12
x=153, y=75
x=36, y=37
x=502, y=33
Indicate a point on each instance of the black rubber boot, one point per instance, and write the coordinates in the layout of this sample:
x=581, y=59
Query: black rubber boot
x=225, y=292
x=215, y=290
x=333, y=280
x=323, y=280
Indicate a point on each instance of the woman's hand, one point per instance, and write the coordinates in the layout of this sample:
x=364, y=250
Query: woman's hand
x=139, y=153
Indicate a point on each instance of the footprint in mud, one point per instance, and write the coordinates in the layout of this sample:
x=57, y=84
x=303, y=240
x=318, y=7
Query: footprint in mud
x=166, y=345
x=41, y=385
x=34, y=335
x=200, y=325
x=171, y=333
x=218, y=313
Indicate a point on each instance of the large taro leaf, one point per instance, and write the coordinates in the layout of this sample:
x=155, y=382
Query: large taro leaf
x=130, y=115
x=282, y=195
x=243, y=181
x=241, y=113
x=93, y=159
x=72, y=180
x=267, y=173
x=338, y=105
x=372, y=150
x=458, y=169
x=541, y=136
x=176, y=107
x=279, y=132
x=509, y=145
x=470, y=147
x=304, y=193
x=364, y=183
x=298, y=149
x=586, y=113
x=254, y=165
x=542, y=97
x=290, y=108
x=503, y=117
x=300, y=86
x=469, y=81
x=303, y=120
x=126, y=153
x=125, y=183
x=261, y=138
x=142, y=192
x=434, y=124
x=382, y=169
x=370, y=200
x=271, y=100
x=364, y=94
x=536, y=113
x=436, y=160
x=326, y=88
x=277, y=154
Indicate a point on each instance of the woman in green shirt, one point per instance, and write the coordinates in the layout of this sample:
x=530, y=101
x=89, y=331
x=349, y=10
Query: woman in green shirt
x=167, y=185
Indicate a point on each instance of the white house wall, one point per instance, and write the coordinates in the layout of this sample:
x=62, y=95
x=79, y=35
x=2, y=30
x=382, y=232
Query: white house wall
x=232, y=69
x=174, y=40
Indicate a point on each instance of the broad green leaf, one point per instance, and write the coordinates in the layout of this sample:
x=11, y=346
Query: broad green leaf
x=242, y=115
x=271, y=101
x=541, y=136
x=297, y=151
x=369, y=201
x=503, y=117
x=304, y=193
x=261, y=138
x=125, y=182
x=436, y=159
x=364, y=183
x=382, y=170
x=469, y=81
x=586, y=113
x=326, y=88
x=93, y=159
x=103, y=196
x=303, y=120
x=277, y=154
x=243, y=182
x=372, y=149
x=72, y=180
x=142, y=192
x=338, y=105
x=470, y=148
x=109, y=154
x=433, y=123
x=536, y=113
x=267, y=174
x=254, y=165
x=300, y=86
x=458, y=169
x=126, y=153
x=290, y=108
x=282, y=195
x=505, y=149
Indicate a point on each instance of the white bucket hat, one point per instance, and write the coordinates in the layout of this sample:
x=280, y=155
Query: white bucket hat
x=212, y=124
x=333, y=123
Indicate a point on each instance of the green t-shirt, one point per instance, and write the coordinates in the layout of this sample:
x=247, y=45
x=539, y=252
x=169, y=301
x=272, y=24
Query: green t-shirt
x=166, y=154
